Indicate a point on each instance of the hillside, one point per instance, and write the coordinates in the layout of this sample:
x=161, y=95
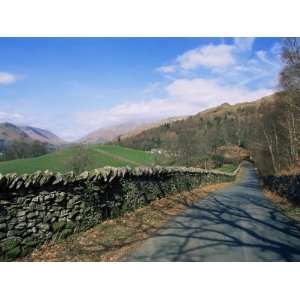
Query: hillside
x=10, y=132
x=121, y=131
x=99, y=156
x=107, y=134
x=42, y=135
x=257, y=126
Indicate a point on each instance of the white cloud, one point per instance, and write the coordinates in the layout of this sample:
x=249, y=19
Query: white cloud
x=11, y=117
x=167, y=69
x=276, y=49
x=262, y=55
x=243, y=43
x=204, y=93
x=258, y=70
x=213, y=57
x=183, y=97
x=153, y=88
x=7, y=78
x=265, y=58
x=210, y=56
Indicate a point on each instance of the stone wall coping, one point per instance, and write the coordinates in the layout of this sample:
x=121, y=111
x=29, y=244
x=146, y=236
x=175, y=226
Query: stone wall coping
x=13, y=181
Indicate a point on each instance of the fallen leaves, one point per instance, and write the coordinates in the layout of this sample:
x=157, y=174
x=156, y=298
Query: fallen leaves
x=289, y=208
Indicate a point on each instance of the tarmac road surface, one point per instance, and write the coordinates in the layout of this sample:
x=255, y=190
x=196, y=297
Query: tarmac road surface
x=236, y=223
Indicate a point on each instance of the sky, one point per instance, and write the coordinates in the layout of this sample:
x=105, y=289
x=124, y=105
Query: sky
x=73, y=86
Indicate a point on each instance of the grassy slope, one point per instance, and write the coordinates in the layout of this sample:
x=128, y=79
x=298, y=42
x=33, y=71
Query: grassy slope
x=229, y=168
x=138, y=156
x=100, y=156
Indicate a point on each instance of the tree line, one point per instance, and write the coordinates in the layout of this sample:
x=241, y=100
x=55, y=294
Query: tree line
x=23, y=149
x=281, y=122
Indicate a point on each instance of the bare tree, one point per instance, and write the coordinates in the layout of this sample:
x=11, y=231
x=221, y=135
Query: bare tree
x=79, y=160
x=290, y=75
x=290, y=82
x=187, y=148
x=23, y=149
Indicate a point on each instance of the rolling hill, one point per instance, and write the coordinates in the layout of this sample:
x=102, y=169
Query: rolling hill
x=259, y=126
x=99, y=156
x=124, y=130
x=107, y=134
x=42, y=135
x=10, y=132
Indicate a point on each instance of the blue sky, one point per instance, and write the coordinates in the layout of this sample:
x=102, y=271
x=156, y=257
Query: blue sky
x=73, y=86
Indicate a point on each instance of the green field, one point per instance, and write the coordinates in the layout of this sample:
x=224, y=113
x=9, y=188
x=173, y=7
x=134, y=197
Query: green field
x=99, y=156
x=229, y=168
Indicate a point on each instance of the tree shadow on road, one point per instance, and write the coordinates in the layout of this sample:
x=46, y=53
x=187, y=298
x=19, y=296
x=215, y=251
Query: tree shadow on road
x=245, y=226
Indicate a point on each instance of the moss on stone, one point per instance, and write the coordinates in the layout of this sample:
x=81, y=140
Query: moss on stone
x=31, y=243
x=58, y=226
x=70, y=225
x=9, y=244
x=27, y=250
x=65, y=233
x=13, y=253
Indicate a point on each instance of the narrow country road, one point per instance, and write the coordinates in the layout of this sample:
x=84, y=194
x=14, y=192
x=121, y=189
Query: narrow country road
x=234, y=224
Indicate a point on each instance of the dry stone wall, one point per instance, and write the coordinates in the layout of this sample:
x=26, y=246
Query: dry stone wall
x=50, y=206
x=286, y=186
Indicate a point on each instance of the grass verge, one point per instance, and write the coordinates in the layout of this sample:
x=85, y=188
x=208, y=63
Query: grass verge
x=114, y=239
x=288, y=208
x=229, y=168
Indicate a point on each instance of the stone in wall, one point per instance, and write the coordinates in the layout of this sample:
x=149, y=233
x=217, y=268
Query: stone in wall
x=286, y=186
x=46, y=206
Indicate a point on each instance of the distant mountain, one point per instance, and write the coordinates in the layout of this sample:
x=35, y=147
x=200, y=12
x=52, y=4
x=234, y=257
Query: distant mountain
x=107, y=134
x=42, y=135
x=10, y=132
x=123, y=131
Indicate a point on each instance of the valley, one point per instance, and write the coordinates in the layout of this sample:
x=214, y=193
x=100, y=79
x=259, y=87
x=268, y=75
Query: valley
x=99, y=156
